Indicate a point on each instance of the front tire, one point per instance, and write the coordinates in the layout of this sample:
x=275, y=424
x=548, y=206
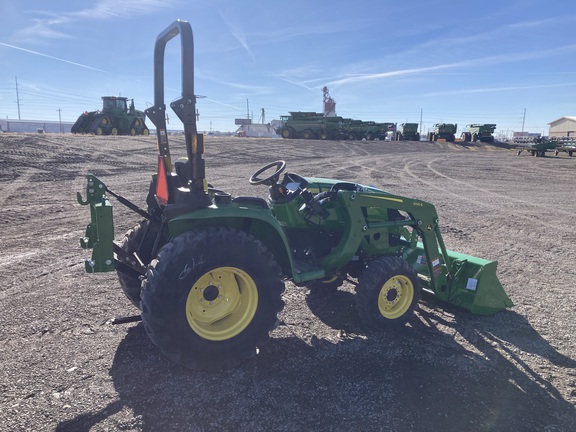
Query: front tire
x=287, y=133
x=388, y=293
x=211, y=298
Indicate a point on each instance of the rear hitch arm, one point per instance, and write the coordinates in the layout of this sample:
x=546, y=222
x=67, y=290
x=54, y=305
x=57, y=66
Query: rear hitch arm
x=100, y=231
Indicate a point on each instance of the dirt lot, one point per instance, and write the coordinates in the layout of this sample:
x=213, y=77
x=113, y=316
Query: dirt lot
x=64, y=367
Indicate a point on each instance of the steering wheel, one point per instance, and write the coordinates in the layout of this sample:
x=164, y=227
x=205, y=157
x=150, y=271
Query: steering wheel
x=292, y=185
x=270, y=180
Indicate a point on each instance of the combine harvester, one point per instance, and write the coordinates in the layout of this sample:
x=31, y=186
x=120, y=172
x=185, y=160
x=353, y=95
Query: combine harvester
x=443, y=131
x=479, y=132
x=313, y=125
x=407, y=132
x=207, y=269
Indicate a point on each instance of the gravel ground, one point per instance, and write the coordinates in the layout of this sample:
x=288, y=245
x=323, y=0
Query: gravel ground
x=64, y=367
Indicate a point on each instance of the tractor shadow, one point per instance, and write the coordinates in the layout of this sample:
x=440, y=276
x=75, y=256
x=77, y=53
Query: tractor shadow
x=447, y=370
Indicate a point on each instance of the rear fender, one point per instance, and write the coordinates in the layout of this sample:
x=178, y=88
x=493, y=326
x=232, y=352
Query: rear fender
x=255, y=221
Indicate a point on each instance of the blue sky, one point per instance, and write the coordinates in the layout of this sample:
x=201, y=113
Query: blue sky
x=453, y=61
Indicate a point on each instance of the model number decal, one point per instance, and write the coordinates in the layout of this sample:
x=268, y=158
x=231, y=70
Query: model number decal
x=188, y=269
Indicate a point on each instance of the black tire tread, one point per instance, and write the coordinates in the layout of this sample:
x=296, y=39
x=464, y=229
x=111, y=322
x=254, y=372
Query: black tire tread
x=132, y=286
x=371, y=281
x=172, y=335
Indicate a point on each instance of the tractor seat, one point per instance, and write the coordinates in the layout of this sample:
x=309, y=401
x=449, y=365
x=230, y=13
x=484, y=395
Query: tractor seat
x=182, y=168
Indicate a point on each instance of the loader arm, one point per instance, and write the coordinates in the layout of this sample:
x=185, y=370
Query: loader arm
x=463, y=280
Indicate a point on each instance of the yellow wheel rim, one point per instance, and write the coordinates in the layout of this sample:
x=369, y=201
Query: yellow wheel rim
x=146, y=132
x=222, y=303
x=138, y=123
x=132, y=131
x=395, y=297
x=104, y=121
x=114, y=131
x=99, y=131
x=285, y=133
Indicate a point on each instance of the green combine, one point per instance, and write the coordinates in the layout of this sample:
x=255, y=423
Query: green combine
x=309, y=125
x=479, y=132
x=408, y=132
x=207, y=269
x=443, y=131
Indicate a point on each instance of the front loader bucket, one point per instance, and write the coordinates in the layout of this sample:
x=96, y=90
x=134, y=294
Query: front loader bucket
x=471, y=282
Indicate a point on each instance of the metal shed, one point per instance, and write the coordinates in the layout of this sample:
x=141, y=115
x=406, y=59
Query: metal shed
x=563, y=127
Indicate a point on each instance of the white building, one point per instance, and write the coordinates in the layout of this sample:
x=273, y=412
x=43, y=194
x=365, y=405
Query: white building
x=257, y=130
x=35, y=126
x=563, y=127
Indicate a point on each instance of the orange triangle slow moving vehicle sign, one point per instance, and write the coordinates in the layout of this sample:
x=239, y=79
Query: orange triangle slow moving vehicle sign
x=161, y=183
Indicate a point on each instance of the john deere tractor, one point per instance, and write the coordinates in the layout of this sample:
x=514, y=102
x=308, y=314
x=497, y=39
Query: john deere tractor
x=207, y=269
x=115, y=118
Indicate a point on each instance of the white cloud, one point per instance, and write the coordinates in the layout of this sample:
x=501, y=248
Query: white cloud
x=48, y=27
x=50, y=57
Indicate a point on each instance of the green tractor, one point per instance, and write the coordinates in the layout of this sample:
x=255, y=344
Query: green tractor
x=207, y=269
x=115, y=118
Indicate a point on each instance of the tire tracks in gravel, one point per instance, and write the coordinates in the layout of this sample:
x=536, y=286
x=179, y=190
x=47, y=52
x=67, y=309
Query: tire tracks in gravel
x=507, y=223
x=488, y=192
x=408, y=170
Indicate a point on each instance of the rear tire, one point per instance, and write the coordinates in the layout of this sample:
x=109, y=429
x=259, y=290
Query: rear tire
x=211, y=298
x=388, y=292
x=307, y=134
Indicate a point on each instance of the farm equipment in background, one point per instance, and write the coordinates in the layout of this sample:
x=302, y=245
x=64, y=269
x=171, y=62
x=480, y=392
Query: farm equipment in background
x=444, y=131
x=479, y=132
x=312, y=125
x=565, y=145
x=408, y=132
x=381, y=131
x=115, y=118
x=539, y=147
x=207, y=269
x=308, y=125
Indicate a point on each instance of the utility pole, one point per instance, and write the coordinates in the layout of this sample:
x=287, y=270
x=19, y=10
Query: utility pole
x=523, y=119
x=60, y=119
x=17, y=97
x=263, y=117
x=421, y=110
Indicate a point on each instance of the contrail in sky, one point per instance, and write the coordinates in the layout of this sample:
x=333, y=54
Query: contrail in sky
x=51, y=57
